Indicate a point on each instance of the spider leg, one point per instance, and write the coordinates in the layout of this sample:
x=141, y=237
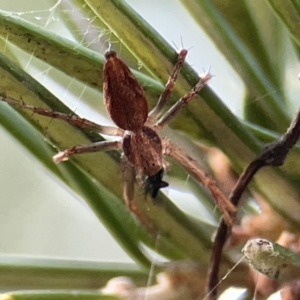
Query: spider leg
x=128, y=177
x=157, y=110
x=72, y=119
x=178, y=106
x=195, y=169
x=94, y=147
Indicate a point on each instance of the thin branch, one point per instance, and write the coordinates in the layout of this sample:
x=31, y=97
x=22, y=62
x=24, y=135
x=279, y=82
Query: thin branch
x=273, y=154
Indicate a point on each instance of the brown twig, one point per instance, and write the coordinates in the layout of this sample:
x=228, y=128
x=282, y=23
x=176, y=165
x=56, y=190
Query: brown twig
x=273, y=154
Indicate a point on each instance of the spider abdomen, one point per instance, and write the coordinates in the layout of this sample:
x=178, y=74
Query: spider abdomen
x=125, y=99
x=143, y=149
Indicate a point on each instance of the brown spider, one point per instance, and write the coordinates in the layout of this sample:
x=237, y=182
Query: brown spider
x=143, y=149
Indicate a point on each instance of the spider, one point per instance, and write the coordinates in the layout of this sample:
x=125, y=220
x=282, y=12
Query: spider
x=143, y=148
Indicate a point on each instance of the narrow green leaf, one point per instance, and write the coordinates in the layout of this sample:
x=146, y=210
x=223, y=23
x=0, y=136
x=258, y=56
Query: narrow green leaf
x=289, y=13
x=232, y=29
x=46, y=273
x=56, y=295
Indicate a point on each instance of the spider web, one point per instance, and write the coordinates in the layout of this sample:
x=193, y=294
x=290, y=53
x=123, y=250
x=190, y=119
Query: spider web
x=67, y=19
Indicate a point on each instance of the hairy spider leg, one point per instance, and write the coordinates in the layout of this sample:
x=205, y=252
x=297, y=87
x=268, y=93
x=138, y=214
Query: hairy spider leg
x=196, y=170
x=94, y=147
x=129, y=178
x=72, y=119
x=169, y=87
x=182, y=102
